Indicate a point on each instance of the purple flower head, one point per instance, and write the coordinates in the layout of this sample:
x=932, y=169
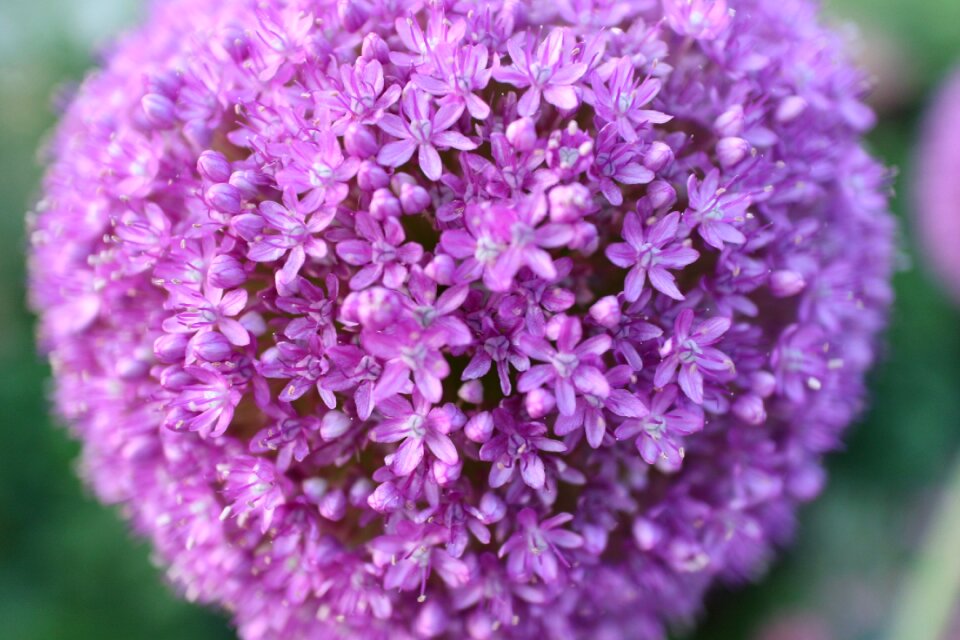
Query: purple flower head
x=537, y=547
x=415, y=425
x=478, y=319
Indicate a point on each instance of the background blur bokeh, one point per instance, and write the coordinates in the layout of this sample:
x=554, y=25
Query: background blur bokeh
x=68, y=570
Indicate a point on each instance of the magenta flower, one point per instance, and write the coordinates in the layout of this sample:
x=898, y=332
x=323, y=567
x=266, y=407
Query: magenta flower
x=660, y=433
x=498, y=242
x=215, y=309
x=515, y=449
x=415, y=425
x=571, y=365
x=651, y=256
x=295, y=235
x=700, y=19
x=620, y=100
x=459, y=73
x=593, y=408
x=718, y=212
x=617, y=163
x=348, y=303
x=423, y=131
x=360, y=96
x=380, y=252
x=537, y=548
x=318, y=168
x=548, y=71
x=689, y=350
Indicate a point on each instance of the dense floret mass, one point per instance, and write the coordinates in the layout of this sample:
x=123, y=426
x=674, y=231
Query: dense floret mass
x=392, y=319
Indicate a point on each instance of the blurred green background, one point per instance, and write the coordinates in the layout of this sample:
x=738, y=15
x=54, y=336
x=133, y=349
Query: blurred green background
x=69, y=571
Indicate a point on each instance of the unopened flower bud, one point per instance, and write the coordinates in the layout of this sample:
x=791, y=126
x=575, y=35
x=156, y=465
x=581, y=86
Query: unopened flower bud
x=539, y=403
x=353, y=15
x=226, y=272
x=248, y=181
x=385, y=205
x=371, y=176
x=414, y=199
x=646, y=534
x=431, y=621
x=471, y=392
x=569, y=203
x=225, y=198
x=790, y=108
x=170, y=348
x=661, y=194
x=731, y=150
x=159, y=109
x=385, y=498
x=213, y=166
x=360, y=141
x=210, y=346
x=749, y=408
x=606, y=311
x=522, y=134
x=445, y=473
x=763, y=383
x=479, y=427
x=333, y=505
x=334, y=424
x=785, y=283
x=374, y=48
x=658, y=156
x=730, y=122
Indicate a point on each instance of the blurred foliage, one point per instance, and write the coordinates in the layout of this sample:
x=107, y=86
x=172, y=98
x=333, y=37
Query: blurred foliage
x=70, y=571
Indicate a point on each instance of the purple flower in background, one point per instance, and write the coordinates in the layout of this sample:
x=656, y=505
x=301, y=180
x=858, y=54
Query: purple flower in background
x=458, y=75
x=936, y=189
x=295, y=235
x=498, y=241
x=481, y=319
x=700, y=19
x=360, y=96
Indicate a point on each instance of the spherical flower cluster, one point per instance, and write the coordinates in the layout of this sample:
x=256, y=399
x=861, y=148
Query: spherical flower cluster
x=937, y=186
x=393, y=319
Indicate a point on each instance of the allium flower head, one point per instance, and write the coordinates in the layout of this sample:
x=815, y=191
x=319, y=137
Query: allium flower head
x=476, y=319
